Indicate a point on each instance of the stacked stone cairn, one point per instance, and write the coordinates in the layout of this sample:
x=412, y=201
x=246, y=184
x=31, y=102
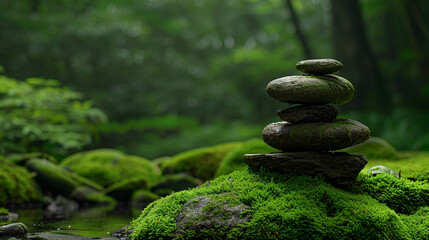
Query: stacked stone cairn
x=310, y=132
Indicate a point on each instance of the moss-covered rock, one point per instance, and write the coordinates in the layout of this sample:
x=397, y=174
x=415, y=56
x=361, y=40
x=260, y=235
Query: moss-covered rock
x=142, y=198
x=174, y=183
x=374, y=147
x=89, y=196
x=16, y=184
x=57, y=180
x=234, y=160
x=124, y=189
x=413, y=165
x=108, y=166
x=290, y=207
x=200, y=163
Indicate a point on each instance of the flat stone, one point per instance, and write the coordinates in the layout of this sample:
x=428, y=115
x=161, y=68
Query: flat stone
x=308, y=113
x=319, y=66
x=337, y=168
x=328, y=89
x=315, y=136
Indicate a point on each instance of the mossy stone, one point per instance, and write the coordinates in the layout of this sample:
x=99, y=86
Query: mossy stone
x=317, y=136
x=200, y=163
x=108, y=166
x=308, y=113
x=124, y=189
x=142, y=198
x=16, y=184
x=286, y=206
x=234, y=160
x=57, y=180
x=174, y=183
x=327, y=89
x=319, y=66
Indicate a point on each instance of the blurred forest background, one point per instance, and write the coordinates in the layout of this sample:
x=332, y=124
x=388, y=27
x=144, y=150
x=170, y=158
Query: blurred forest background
x=174, y=75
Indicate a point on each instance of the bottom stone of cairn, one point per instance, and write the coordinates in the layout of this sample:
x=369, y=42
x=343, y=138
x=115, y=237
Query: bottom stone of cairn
x=337, y=168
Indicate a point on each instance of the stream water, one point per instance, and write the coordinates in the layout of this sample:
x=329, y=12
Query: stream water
x=89, y=222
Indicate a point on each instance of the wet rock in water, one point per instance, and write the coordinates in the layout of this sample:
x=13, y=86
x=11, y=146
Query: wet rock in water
x=308, y=113
x=315, y=136
x=374, y=171
x=16, y=230
x=328, y=89
x=207, y=212
x=123, y=233
x=319, y=66
x=60, y=208
x=337, y=168
x=88, y=197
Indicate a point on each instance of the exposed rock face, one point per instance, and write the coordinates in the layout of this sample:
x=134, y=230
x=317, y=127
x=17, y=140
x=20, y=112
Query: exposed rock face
x=317, y=136
x=206, y=212
x=327, y=89
x=319, y=66
x=337, y=168
x=308, y=113
x=16, y=230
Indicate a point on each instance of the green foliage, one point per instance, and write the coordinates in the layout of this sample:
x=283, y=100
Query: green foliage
x=4, y=211
x=234, y=160
x=17, y=185
x=200, y=163
x=401, y=195
x=39, y=115
x=289, y=207
x=108, y=166
x=413, y=165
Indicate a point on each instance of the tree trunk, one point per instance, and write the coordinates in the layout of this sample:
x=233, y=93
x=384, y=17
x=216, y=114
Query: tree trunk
x=353, y=50
x=305, y=47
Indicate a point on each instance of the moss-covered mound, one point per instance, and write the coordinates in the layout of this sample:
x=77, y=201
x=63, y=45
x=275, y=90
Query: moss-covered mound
x=16, y=184
x=57, y=180
x=108, y=166
x=413, y=165
x=291, y=207
x=234, y=160
x=374, y=148
x=200, y=163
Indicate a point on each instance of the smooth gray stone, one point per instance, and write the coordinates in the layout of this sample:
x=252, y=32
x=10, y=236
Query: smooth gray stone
x=308, y=113
x=328, y=89
x=319, y=66
x=337, y=168
x=315, y=136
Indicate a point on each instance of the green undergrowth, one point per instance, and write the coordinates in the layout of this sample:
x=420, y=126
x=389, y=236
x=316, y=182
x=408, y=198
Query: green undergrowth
x=16, y=184
x=374, y=147
x=200, y=163
x=108, y=166
x=297, y=207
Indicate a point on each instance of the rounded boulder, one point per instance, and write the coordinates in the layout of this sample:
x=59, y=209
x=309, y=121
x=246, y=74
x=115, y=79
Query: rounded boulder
x=315, y=136
x=328, y=89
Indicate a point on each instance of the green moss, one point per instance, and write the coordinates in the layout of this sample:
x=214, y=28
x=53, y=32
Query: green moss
x=401, y=195
x=200, y=163
x=4, y=211
x=124, y=189
x=234, y=160
x=294, y=207
x=102, y=199
x=418, y=223
x=108, y=166
x=174, y=183
x=17, y=185
x=374, y=148
x=413, y=166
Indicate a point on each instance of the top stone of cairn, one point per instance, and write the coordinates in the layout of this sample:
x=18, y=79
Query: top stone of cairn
x=319, y=66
